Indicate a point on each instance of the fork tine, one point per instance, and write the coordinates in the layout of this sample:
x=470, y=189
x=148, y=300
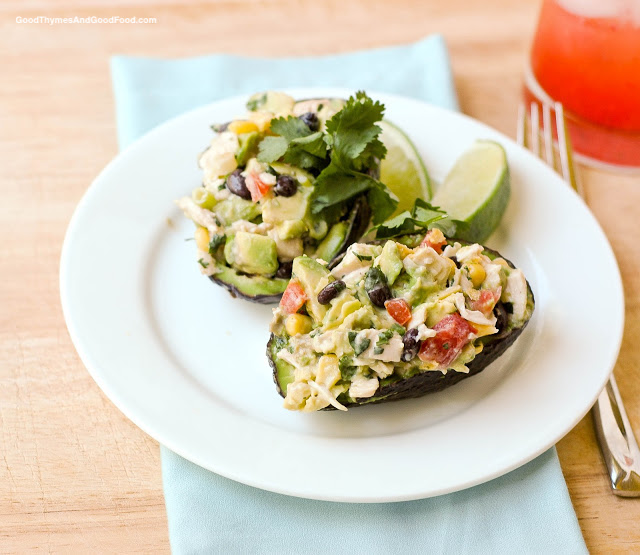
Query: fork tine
x=564, y=146
x=535, y=129
x=547, y=131
x=521, y=131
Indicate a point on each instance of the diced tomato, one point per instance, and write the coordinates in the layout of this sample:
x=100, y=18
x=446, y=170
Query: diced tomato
x=452, y=334
x=434, y=239
x=487, y=300
x=399, y=310
x=293, y=297
x=257, y=188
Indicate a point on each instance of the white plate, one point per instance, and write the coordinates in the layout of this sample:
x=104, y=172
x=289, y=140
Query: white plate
x=186, y=362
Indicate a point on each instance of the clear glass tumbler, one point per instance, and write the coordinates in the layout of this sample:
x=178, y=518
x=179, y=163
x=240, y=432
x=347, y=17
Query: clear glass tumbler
x=586, y=54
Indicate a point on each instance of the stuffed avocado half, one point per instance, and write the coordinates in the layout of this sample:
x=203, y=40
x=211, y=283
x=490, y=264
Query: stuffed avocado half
x=292, y=178
x=393, y=320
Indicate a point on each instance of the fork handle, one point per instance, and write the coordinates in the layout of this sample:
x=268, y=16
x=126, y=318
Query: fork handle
x=617, y=442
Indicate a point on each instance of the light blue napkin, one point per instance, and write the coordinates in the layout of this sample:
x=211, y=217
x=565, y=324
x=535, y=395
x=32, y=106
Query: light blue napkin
x=526, y=511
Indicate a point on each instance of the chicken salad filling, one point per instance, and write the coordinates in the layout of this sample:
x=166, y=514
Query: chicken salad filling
x=387, y=312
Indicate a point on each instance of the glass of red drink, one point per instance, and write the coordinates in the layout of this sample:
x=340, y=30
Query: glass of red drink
x=586, y=54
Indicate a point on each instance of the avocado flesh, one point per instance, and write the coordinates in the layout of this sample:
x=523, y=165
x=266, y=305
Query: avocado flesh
x=266, y=290
x=395, y=387
x=258, y=289
x=310, y=274
x=254, y=254
x=235, y=208
x=248, y=147
x=333, y=241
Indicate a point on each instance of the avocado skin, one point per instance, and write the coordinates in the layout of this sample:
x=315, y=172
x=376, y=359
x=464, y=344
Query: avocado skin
x=430, y=381
x=358, y=224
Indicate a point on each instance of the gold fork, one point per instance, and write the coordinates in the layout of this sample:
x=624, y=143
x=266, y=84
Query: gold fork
x=615, y=436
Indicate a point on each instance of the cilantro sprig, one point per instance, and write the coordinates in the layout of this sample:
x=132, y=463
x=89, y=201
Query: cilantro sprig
x=422, y=216
x=295, y=144
x=341, y=155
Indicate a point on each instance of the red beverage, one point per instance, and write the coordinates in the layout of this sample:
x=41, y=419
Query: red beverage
x=586, y=54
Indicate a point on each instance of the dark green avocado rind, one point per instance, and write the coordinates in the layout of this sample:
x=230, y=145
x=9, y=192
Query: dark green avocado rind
x=426, y=382
x=265, y=290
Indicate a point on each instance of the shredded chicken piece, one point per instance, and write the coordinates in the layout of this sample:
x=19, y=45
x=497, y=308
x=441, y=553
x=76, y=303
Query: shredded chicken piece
x=200, y=216
x=473, y=316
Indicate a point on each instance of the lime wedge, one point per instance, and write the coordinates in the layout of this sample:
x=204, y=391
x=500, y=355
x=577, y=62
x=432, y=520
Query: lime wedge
x=476, y=191
x=403, y=170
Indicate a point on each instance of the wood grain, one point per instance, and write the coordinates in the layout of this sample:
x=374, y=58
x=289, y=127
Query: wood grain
x=75, y=474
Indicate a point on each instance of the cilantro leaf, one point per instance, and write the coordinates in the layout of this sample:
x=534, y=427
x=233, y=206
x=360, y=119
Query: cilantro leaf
x=295, y=144
x=272, y=148
x=354, y=127
x=422, y=216
x=352, y=136
x=290, y=128
x=382, y=203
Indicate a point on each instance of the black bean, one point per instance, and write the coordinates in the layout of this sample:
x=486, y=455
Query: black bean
x=236, y=184
x=285, y=186
x=375, y=284
x=310, y=120
x=411, y=345
x=379, y=295
x=331, y=291
x=284, y=270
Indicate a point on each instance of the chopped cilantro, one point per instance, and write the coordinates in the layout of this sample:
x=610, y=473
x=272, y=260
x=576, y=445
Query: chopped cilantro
x=383, y=339
x=362, y=257
x=347, y=370
x=215, y=242
x=256, y=102
x=203, y=263
x=222, y=186
x=360, y=344
x=445, y=346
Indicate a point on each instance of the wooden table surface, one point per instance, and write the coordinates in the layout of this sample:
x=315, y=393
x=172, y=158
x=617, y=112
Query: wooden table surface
x=75, y=474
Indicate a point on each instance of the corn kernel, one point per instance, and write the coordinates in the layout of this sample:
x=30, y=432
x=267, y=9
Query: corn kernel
x=261, y=119
x=297, y=324
x=240, y=126
x=476, y=273
x=403, y=250
x=202, y=239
